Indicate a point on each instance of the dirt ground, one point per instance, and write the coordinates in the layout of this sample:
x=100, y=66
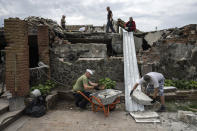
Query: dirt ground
x=66, y=117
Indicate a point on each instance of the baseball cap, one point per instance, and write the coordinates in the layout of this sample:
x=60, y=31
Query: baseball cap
x=90, y=71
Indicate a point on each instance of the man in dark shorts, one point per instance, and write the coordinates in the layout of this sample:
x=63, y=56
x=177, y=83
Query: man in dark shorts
x=155, y=85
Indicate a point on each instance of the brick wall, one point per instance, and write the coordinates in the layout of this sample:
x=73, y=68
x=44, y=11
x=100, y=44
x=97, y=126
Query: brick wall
x=43, y=44
x=17, y=57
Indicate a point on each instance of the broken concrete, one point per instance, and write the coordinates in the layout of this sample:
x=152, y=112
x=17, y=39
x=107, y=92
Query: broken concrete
x=176, y=46
x=51, y=100
x=187, y=117
x=141, y=98
x=153, y=37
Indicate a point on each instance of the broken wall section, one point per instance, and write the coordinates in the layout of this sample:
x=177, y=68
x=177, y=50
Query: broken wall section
x=174, y=54
x=42, y=74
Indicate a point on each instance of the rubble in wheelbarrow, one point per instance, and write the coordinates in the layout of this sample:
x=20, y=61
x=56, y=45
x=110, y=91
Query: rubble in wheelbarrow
x=106, y=96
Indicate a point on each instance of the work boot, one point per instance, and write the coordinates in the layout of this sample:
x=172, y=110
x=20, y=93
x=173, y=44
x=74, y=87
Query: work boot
x=162, y=109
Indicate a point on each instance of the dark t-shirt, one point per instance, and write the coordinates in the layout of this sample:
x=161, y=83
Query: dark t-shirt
x=109, y=15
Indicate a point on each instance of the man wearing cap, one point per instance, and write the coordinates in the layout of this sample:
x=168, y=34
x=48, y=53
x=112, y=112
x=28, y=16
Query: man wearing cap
x=82, y=84
x=155, y=85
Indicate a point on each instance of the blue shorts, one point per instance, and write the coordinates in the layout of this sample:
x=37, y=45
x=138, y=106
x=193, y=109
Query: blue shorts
x=150, y=88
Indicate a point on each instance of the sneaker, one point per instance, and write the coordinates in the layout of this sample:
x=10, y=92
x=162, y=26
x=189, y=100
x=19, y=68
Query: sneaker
x=162, y=109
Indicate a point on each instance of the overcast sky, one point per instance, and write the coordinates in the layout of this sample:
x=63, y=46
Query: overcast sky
x=146, y=13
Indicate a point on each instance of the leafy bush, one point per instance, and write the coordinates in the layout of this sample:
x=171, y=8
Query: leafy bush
x=181, y=84
x=108, y=83
x=46, y=88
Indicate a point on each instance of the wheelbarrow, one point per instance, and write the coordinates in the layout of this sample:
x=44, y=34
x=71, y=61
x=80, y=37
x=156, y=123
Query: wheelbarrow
x=104, y=100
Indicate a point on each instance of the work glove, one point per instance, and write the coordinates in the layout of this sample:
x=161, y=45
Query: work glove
x=153, y=101
x=131, y=92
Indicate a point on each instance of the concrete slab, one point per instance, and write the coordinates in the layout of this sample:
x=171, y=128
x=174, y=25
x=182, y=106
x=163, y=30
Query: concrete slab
x=141, y=98
x=148, y=120
x=169, y=89
x=144, y=115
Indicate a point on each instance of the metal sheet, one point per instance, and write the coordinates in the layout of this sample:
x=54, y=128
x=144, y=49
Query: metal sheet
x=131, y=72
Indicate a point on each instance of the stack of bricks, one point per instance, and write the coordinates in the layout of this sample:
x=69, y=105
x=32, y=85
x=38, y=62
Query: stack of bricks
x=43, y=45
x=17, y=57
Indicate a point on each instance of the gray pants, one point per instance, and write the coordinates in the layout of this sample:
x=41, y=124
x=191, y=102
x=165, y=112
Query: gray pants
x=150, y=88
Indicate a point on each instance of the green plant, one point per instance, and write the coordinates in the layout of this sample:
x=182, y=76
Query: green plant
x=46, y=88
x=181, y=84
x=107, y=82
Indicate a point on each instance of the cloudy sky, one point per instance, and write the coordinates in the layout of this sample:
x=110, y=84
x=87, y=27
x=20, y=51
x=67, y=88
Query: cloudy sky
x=147, y=14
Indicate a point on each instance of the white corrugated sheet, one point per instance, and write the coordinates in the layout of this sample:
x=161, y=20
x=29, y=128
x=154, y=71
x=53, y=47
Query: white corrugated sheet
x=131, y=72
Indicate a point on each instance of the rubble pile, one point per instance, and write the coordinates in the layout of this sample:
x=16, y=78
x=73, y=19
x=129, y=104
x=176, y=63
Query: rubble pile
x=173, y=52
x=54, y=28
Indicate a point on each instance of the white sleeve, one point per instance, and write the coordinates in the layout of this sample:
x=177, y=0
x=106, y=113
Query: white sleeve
x=140, y=81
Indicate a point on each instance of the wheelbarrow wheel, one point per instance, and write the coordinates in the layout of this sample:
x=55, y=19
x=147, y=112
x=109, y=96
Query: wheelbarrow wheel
x=112, y=107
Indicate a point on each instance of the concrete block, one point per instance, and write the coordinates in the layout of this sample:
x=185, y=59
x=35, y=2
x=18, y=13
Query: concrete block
x=153, y=37
x=187, y=117
x=141, y=98
x=51, y=100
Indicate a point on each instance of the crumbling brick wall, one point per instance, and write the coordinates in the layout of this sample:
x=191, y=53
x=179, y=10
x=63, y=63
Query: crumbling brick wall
x=43, y=45
x=17, y=57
